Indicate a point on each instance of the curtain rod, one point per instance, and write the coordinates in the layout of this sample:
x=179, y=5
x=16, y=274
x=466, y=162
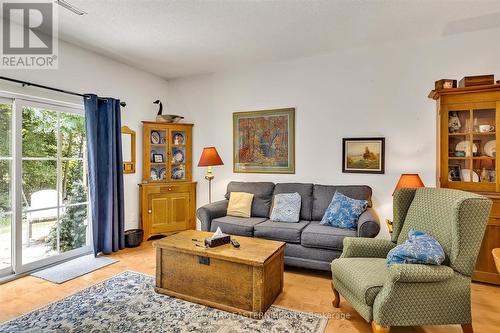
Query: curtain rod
x=24, y=83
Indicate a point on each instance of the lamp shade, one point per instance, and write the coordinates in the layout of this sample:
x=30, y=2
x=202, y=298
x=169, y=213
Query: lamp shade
x=409, y=180
x=210, y=157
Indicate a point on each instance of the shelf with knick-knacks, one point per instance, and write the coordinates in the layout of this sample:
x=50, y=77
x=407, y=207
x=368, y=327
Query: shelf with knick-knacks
x=167, y=152
x=469, y=121
x=471, y=145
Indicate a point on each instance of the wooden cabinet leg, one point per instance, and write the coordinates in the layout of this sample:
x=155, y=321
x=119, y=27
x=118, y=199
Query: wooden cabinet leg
x=376, y=328
x=336, y=297
x=467, y=328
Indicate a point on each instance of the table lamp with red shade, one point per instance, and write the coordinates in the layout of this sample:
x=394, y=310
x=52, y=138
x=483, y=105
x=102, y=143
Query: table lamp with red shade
x=407, y=180
x=209, y=157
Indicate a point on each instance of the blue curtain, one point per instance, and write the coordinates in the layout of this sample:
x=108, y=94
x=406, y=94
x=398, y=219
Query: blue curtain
x=103, y=122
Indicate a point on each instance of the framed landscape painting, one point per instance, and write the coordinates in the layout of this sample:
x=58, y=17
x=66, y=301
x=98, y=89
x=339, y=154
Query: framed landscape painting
x=363, y=155
x=264, y=141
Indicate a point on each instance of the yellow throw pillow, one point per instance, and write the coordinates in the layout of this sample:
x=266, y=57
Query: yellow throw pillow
x=240, y=204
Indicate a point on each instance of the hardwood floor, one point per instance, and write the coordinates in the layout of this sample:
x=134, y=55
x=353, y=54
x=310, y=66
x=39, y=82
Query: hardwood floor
x=304, y=290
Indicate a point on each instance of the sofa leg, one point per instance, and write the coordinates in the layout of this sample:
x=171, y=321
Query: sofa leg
x=336, y=297
x=376, y=328
x=467, y=328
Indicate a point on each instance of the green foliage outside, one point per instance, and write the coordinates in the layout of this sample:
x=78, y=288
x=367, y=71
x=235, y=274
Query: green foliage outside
x=40, y=130
x=72, y=229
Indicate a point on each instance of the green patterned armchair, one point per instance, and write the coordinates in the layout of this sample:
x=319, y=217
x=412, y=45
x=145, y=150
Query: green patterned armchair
x=410, y=294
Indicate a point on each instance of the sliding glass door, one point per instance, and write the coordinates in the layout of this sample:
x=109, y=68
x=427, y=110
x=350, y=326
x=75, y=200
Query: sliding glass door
x=5, y=186
x=43, y=186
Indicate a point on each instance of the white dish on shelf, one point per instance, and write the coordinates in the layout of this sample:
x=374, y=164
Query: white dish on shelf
x=490, y=148
x=466, y=176
x=465, y=147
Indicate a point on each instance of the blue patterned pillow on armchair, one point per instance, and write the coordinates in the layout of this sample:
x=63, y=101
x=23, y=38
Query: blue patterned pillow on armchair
x=419, y=248
x=343, y=212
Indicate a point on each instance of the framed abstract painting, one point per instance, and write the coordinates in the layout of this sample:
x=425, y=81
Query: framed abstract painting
x=363, y=155
x=264, y=141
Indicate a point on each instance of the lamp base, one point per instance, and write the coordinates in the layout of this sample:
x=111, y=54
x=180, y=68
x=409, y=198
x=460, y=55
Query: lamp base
x=209, y=176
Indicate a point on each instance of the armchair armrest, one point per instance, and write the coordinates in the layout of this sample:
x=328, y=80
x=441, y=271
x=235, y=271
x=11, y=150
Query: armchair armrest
x=211, y=211
x=368, y=224
x=414, y=273
x=366, y=247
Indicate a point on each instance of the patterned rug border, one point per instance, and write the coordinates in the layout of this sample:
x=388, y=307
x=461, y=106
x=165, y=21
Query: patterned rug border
x=322, y=325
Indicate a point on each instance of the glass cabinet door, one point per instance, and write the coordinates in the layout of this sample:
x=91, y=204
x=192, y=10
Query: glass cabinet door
x=178, y=155
x=472, y=147
x=158, y=154
x=484, y=141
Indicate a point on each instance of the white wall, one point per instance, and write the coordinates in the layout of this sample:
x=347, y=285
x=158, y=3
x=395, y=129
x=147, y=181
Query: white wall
x=372, y=91
x=86, y=72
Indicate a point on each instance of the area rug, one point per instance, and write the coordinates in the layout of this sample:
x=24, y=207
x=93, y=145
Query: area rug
x=73, y=268
x=127, y=302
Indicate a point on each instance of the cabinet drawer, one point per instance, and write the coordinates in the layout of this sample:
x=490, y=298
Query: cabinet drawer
x=175, y=188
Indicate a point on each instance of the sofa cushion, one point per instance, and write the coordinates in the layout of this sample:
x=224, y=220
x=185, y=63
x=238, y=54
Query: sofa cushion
x=282, y=231
x=241, y=226
x=364, y=277
x=325, y=237
x=306, y=193
x=262, y=195
x=311, y=253
x=323, y=194
x=240, y=204
x=286, y=207
x=343, y=212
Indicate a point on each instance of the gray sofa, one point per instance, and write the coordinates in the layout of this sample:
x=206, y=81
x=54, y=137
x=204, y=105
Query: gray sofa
x=309, y=244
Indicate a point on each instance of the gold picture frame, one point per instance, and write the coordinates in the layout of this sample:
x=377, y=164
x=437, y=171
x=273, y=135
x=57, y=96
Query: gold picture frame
x=264, y=141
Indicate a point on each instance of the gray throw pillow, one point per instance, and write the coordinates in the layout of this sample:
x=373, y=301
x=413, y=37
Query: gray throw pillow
x=286, y=207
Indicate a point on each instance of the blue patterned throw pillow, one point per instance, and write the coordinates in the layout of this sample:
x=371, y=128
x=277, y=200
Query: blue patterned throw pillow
x=286, y=207
x=419, y=248
x=343, y=212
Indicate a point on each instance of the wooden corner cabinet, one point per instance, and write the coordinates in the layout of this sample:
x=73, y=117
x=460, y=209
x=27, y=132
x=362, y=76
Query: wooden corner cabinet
x=468, y=133
x=167, y=192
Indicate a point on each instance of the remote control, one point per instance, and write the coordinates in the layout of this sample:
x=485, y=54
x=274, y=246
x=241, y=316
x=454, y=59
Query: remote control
x=235, y=243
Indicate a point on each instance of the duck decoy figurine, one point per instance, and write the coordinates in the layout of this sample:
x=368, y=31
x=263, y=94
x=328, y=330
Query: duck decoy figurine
x=166, y=118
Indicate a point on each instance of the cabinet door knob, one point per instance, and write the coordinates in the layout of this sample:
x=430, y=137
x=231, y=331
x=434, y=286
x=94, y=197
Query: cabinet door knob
x=149, y=211
x=170, y=189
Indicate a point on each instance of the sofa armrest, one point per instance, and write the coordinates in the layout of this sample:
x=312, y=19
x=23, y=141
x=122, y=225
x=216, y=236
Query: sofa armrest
x=415, y=273
x=211, y=211
x=368, y=224
x=366, y=247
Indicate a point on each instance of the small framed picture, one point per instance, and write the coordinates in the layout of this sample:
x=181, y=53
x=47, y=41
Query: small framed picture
x=157, y=158
x=363, y=155
x=454, y=173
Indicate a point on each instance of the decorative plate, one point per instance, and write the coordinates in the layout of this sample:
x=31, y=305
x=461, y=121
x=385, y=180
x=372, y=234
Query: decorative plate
x=490, y=148
x=466, y=176
x=154, y=174
x=155, y=137
x=163, y=173
x=178, y=138
x=178, y=156
x=178, y=172
x=465, y=146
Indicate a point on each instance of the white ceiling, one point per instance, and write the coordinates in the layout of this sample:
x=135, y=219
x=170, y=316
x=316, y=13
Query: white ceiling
x=173, y=38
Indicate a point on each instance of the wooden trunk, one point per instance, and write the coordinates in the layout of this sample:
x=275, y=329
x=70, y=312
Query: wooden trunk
x=245, y=280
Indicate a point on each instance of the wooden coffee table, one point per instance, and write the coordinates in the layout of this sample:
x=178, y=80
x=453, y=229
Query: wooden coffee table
x=244, y=280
